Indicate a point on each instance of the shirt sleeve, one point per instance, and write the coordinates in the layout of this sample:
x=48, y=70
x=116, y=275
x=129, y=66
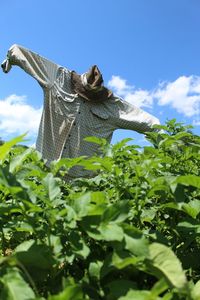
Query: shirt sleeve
x=134, y=118
x=43, y=70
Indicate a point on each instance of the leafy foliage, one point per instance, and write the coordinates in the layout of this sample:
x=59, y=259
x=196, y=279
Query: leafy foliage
x=132, y=231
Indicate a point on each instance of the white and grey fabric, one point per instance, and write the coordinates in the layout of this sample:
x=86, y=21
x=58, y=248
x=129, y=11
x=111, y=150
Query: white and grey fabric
x=67, y=118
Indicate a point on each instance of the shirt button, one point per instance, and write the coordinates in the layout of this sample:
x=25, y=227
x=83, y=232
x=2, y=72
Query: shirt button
x=69, y=135
x=74, y=124
x=79, y=112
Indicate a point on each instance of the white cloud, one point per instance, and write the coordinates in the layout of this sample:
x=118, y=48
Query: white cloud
x=17, y=117
x=119, y=85
x=196, y=122
x=140, y=98
x=183, y=94
x=137, y=97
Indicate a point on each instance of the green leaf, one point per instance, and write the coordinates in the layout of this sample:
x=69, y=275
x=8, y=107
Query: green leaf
x=136, y=295
x=32, y=255
x=90, y=225
x=111, y=232
x=192, y=208
x=188, y=227
x=122, y=259
x=95, y=268
x=88, y=203
x=120, y=287
x=196, y=291
x=173, y=205
x=148, y=214
x=164, y=263
x=96, y=140
x=9, y=180
x=135, y=241
x=18, y=160
x=117, y=212
x=81, y=203
x=106, y=163
x=98, y=198
x=68, y=215
x=72, y=292
x=189, y=180
x=55, y=244
x=78, y=245
x=122, y=143
x=181, y=135
x=52, y=187
x=15, y=287
x=6, y=147
x=158, y=288
x=65, y=164
x=98, y=203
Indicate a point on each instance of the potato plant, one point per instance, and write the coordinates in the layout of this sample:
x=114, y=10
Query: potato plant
x=132, y=231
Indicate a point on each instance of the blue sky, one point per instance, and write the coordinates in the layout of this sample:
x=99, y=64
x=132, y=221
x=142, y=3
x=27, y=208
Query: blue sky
x=147, y=50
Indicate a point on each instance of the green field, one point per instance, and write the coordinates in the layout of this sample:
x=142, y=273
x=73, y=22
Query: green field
x=132, y=232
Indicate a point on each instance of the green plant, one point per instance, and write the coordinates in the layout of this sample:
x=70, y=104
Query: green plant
x=130, y=232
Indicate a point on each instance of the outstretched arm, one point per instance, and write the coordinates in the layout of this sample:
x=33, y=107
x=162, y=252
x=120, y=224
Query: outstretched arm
x=134, y=118
x=43, y=70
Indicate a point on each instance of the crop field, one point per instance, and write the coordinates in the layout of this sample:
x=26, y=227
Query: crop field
x=131, y=232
